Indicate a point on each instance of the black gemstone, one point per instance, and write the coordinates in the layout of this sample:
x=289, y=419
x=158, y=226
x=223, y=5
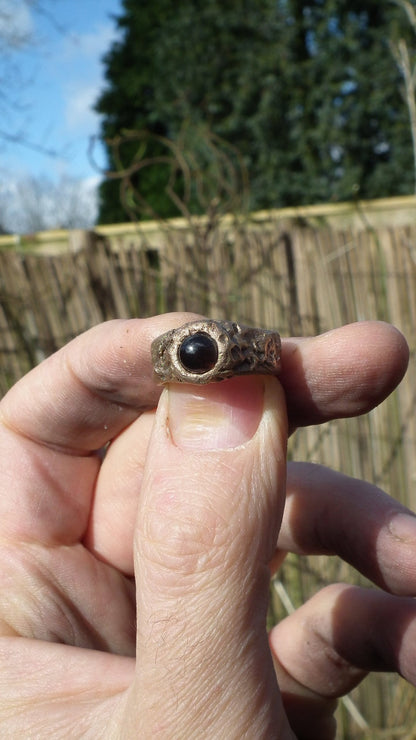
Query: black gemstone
x=198, y=353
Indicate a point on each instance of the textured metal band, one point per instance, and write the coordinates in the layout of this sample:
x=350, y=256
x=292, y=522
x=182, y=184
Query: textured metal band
x=242, y=350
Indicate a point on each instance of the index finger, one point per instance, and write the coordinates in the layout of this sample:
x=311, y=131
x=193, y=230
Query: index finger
x=86, y=393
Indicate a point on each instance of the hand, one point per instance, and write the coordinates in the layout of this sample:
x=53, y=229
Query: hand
x=189, y=501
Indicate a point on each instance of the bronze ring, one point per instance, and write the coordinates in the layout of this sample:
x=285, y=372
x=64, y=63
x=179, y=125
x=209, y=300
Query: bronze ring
x=206, y=351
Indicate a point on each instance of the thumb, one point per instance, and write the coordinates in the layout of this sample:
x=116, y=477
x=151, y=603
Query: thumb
x=208, y=519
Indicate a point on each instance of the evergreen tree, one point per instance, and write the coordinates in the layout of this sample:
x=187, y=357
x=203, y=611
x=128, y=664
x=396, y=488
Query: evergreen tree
x=308, y=93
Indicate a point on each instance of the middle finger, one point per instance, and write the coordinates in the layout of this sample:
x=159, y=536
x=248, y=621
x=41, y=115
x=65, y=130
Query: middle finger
x=330, y=513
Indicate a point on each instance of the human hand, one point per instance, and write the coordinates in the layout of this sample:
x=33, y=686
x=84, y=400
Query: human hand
x=194, y=515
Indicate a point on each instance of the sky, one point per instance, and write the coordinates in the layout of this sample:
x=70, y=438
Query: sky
x=51, y=73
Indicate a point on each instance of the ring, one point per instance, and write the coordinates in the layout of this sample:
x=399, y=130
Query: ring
x=206, y=351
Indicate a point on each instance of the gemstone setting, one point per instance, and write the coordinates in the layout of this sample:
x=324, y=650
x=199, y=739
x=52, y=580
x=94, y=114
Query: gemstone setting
x=207, y=351
x=198, y=353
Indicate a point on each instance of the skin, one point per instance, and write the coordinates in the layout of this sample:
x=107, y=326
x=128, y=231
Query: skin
x=162, y=547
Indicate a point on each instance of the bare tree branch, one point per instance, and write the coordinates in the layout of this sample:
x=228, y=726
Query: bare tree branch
x=409, y=10
x=21, y=140
x=407, y=67
x=16, y=35
x=35, y=204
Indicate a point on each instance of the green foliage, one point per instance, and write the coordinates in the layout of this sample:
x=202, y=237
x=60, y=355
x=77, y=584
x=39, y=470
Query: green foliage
x=308, y=93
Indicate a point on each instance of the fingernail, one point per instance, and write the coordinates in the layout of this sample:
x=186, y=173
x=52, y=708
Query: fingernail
x=216, y=416
x=403, y=527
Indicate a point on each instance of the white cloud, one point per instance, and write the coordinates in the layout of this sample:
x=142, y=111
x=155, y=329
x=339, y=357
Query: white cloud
x=80, y=99
x=83, y=56
x=89, y=45
x=16, y=24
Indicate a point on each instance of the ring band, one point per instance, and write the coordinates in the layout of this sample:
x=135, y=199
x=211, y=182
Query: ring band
x=206, y=351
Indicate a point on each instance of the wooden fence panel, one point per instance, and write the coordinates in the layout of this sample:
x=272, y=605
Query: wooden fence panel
x=299, y=279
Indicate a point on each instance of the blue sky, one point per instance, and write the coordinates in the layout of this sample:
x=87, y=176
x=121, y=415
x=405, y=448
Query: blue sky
x=58, y=77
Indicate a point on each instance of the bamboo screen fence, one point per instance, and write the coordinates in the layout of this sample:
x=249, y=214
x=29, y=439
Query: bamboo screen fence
x=298, y=278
